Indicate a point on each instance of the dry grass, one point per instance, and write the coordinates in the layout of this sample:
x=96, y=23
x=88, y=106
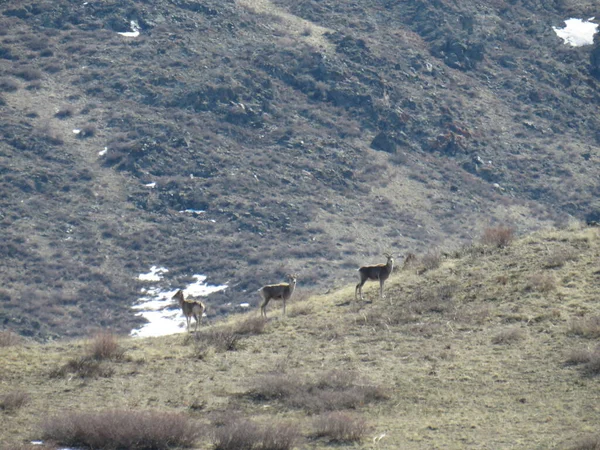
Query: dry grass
x=136, y=430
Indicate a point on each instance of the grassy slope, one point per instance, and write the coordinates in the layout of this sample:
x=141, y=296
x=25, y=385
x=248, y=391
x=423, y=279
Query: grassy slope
x=430, y=343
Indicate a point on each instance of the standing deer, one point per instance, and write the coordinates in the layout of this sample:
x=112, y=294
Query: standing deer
x=281, y=291
x=379, y=272
x=191, y=308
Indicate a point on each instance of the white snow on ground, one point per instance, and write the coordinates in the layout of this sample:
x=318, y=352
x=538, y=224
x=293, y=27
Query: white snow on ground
x=158, y=308
x=577, y=32
x=135, y=30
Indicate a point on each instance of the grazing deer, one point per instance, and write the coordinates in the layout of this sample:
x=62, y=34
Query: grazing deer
x=379, y=272
x=281, y=291
x=191, y=308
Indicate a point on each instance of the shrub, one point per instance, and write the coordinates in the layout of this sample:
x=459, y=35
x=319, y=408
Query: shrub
x=13, y=400
x=87, y=131
x=557, y=258
x=8, y=85
x=509, y=336
x=110, y=430
x=103, y=346
x=63, y=113
x=589, y=359
x=222, y=339
x=249, y=326
x=28, y=73
x=541, y=282
x=589, y=328
x=82, y=367
x=498, y=237
x=430, y=261
x=586, y=443
x=246, y=435
x=333, y=391
x=340, y=427
x=8, y=338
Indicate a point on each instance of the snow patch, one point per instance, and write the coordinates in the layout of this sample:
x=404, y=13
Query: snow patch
x=577, y=32
x=135, y=30
x=158, y=308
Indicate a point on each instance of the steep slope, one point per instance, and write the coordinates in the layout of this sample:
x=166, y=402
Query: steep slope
x=312, y=135
x=487, y=350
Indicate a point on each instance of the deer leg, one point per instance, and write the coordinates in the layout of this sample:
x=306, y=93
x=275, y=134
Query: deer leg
x=359, y=288
x=284, y=306
x=381, y=288
x=263, y=308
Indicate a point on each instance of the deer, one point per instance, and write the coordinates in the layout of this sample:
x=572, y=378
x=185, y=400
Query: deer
x=379, y=272
x=191, y=308
x=281, y=291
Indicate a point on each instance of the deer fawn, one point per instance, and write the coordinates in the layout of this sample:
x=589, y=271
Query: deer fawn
x=191, y=308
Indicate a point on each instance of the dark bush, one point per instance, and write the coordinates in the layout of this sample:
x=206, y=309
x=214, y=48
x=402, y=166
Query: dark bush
x=13, y=400
x=8, y=85
x=82, y=367
x=65, y=112
x=333, y=391
x=28, y=73
x=586, y=443
x=113, y=430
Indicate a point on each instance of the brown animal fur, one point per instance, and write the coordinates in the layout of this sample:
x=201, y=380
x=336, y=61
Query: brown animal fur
x=191, y=308
x=379, y=272
x=282, y=291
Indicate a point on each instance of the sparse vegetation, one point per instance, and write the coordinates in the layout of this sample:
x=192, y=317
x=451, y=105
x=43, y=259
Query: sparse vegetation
x=113, y=430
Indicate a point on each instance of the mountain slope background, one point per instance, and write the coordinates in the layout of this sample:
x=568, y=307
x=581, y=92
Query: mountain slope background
x=313, y=135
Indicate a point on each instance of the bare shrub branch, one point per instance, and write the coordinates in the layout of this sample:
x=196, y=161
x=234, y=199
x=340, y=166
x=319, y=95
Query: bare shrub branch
x=340, y=427
x=112, y=430
x=105, y=346
x=244, y=434
x=498, y=237
x=589, y=328
x=509, y=336
x=8, y=338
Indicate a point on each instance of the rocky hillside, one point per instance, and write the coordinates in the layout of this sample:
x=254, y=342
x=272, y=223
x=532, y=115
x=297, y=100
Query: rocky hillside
x=247, y=139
